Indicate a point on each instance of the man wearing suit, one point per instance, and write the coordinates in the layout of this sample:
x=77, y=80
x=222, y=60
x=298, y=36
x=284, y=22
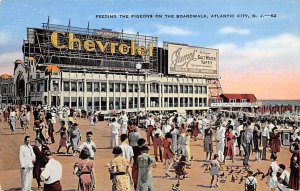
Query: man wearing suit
x=247, y=143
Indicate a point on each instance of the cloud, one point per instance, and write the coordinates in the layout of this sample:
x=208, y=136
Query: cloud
x=267, y=67
x=172, y=30
x=129, y=31
x=4, y=37
x=7, y=61
x=234, y=30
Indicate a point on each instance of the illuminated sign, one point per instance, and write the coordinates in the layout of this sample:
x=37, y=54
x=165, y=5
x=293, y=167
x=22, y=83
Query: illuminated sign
x=99, y=46
x=193, y=61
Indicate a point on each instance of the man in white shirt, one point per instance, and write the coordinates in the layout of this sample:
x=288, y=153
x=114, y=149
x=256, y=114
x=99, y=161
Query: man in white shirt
x=26, y=158
x=284, y=177
x=123, y=122
x=89, y=144
x=52, y=174
x=220, y=139
x=166, y=128
x=149, y=125
x=126, y=149
x=134, y=137
x=265, y=136
x=115, y=128
x=157, y=141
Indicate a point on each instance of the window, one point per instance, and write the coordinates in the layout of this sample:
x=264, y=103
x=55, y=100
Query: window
x=130, y=87
x=185, y=89
x=123, y=87
x=142, y=100
x=80, y=86
x=170, y=89
x=190, y=102
x=196, y=102
x=103, y=87
x=181, y=88
x=142, y=86
x=154, y=101
x=89, y=103
x=185, y=103
x=165, y=88
x=123, y=102
x=96, y=104
x=66, y=101
x=89, y=87
x=181, y=102
x=135, y=102
x=130, y=103
x=196, y=89
x=111, y=87
x=111, y=103
x=117, y=103
x=175, y=102
x=74, y=86
x=175, y=87
x=96, y=87
x=117, y=87
x=171, y=102
x=80, y=102
x=190, y=89
x=232, y=100
x=204, y=102
x=73, y=101
x=66, y=86
x=136, y=88
x=166, y=102
x=45, y=86
x=103, y=103
x=154, y=88
x=204, y=89
x=200, y=89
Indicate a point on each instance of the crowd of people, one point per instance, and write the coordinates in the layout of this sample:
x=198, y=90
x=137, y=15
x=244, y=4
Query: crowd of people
x=236, y=135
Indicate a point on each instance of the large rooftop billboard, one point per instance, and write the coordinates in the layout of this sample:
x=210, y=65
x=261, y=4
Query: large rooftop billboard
x=193, y=61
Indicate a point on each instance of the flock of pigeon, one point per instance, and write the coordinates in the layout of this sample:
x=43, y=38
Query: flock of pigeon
x=236, y=173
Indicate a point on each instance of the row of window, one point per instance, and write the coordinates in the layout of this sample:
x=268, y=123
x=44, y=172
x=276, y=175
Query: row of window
x=97, y=103
x=122, y=87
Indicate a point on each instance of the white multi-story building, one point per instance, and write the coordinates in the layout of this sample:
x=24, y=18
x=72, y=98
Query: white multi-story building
x=105, y=71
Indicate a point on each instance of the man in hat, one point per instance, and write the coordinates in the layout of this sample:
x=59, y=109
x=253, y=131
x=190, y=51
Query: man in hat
x=26, y=158
x=89, y=143
x=52, y=174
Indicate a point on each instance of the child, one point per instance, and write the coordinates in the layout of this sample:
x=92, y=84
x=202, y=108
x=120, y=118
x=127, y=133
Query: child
x=250, y=182
x=214, y=170
x=180, y=168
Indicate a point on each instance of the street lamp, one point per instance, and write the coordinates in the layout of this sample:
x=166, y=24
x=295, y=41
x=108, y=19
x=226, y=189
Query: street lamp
x=138, y=67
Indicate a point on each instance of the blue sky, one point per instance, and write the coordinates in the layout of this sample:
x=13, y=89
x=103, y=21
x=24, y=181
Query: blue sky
x=247, y=45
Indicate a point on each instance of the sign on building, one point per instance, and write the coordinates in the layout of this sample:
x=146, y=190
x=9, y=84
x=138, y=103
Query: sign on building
x=193, y=61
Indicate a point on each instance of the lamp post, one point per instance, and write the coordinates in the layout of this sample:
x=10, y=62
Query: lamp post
x=138, y=67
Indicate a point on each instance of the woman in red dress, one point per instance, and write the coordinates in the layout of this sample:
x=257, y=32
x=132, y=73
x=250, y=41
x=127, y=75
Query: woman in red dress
x=51, y=131
x=275, y=141
x=195, y=125
x=63, y=137
x=230, y=138
x=294, y=165
x=168, y=152
x=84, y=169
x=40, y=161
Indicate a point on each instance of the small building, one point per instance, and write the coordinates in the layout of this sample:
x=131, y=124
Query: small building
x=6, y=87
x=245, y=102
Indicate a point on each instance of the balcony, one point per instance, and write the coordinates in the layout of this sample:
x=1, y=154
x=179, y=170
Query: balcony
x=235, y=104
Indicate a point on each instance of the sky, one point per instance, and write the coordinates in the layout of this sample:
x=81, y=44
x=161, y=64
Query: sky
x=258, y=53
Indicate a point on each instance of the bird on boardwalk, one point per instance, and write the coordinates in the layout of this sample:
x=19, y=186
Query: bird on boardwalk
x=205, y=164
x=237, y=167
x=259, y=172
x=221, y=175
x=241, y=179
x=232, y=178
x=231, y=171
x=239, y=172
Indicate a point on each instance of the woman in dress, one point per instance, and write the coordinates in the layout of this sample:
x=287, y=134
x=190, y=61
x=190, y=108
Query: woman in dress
x=272, y=172
x=168, y=152
x=214, y=170
x=230, y=138
x=63, y=137
x=294, y=165
x=195, y=128
x=208, y=147
x=119, y=171
x=275, y=141
x=84, y=169
x=145, y=162
x=40, y=161
x=257, y=142
x=136, y=152
x=51, y=131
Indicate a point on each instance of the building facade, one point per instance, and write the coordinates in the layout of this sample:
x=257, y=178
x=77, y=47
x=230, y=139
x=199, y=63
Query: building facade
x=6, y=89
x=106, y=71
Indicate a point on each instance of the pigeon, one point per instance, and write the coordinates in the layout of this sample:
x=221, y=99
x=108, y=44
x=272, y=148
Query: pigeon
x=239, y=172
x=205, y=164
x=232, y=178
x=231, y=171
x=221, y=175
x=241, y=179
x=263, y=176
x=237, y=167
x=178, y=184
x=259, y=172
x=227, y=168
